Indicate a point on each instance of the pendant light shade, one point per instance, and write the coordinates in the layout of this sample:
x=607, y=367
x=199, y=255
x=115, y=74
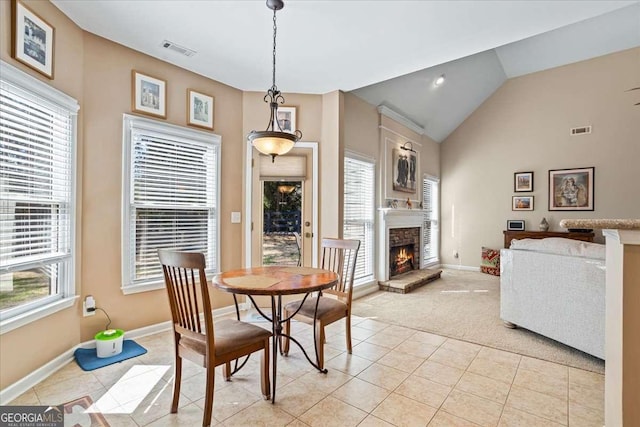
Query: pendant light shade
x=274, y=141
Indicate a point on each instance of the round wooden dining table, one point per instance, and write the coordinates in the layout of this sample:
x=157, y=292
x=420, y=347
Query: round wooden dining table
x=275, y=282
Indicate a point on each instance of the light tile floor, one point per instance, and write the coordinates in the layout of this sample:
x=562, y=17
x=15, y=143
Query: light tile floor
x=395, y=377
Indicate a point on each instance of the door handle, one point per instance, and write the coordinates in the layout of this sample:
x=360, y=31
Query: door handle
x=307, y=234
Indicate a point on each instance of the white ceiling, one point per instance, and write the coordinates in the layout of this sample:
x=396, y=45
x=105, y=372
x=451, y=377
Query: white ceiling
x=471, y=80
x=348, y=45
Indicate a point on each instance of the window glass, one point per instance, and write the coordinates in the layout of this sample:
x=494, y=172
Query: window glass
x=37, y=146
x=359, y=196
x=172, y=174
x=430, y=226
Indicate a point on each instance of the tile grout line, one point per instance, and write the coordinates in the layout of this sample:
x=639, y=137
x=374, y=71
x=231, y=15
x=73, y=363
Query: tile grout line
x=458, y=382
x=410, y=373
x=513, y=380
x=518, y=369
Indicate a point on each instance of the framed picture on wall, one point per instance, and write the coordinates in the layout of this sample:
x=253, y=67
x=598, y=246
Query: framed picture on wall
x=522, y=182
x=148, y=95
x=287, y=119
x=522, y=203
x=405, y=170
x=571, y=189
x=199, y=109
x=33, y=39
x=401, y=170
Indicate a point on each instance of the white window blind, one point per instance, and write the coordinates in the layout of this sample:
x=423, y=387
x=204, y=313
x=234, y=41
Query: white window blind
x=173, y=197
x=359, y=186
x=37, y=146
x=430, y=228
x=287, y=167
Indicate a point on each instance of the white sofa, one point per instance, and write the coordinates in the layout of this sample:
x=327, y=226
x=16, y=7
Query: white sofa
x=556, y=288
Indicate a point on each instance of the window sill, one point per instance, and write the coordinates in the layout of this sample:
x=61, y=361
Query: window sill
x=35, y=314
x=145, y=287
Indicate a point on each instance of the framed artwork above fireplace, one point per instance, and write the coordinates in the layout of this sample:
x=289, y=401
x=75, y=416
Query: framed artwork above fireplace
x=402, y=171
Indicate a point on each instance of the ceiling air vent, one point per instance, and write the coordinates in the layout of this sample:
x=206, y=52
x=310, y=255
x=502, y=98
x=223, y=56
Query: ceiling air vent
x=177, y=48
x=583, y=130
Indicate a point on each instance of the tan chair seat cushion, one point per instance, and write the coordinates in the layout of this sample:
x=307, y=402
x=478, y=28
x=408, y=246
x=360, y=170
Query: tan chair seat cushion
x=230, y=335
x=327, y=306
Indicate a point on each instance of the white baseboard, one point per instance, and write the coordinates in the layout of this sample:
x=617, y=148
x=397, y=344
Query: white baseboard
x=40, y=374
x=460, y=267
x=363, y=290
x=24, y=384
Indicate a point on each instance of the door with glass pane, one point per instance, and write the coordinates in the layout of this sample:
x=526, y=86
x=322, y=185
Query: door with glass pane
x=282, y=209
x=282, y=222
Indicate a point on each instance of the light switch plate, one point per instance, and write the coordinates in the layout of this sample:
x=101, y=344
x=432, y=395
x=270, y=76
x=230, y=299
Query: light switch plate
x=235, y=218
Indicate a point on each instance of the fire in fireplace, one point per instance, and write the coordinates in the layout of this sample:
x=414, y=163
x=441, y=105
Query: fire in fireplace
x=401, y=259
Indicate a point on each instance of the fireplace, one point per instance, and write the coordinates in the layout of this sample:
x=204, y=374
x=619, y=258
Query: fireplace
x=400, y=259
x=398, y=227
x=404, y=250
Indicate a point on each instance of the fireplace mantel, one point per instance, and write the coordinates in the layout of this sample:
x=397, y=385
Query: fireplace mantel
x=394, y=218
x=401, y=217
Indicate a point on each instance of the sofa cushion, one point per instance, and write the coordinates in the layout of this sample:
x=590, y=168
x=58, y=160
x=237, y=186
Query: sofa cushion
x=561, y=246
x=490, y=261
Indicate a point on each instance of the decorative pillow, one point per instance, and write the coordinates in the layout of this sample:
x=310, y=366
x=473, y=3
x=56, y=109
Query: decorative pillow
x=490, y=261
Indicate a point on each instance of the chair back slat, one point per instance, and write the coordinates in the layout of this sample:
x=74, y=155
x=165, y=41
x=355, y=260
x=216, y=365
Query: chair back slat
x=186, y=284
x=339, y=256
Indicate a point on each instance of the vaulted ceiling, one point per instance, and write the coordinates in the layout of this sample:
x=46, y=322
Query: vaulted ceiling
x=386, y=52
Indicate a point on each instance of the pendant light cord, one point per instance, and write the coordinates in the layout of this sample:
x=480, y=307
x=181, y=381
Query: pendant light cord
x=275, y=30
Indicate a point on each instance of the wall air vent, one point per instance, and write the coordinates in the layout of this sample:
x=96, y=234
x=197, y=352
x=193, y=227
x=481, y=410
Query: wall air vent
x=177, y=48
x=582, y=130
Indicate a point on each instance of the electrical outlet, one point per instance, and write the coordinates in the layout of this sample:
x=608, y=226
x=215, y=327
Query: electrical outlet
x=88, y=306
x=455, y=254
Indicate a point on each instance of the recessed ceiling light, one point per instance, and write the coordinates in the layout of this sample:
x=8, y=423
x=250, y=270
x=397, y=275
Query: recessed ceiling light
x=439, y=81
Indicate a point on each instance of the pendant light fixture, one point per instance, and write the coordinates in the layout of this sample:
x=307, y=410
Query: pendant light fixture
x=274, y=141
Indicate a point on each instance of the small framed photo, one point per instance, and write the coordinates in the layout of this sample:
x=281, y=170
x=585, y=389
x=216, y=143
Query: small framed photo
x=515, y=224
x=522, y=182
x=571, y=189
x=522, y=203
x=148, y=95
x=199, y=109
x=33, y=39
x=287, y=119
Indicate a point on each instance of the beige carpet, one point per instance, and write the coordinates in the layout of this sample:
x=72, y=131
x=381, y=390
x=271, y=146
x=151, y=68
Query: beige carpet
x=466, y=305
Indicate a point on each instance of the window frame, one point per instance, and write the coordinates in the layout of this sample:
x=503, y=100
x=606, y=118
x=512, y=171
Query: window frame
x=157, y=127
x=435, y=219
x=371, y=276
x=65, y=297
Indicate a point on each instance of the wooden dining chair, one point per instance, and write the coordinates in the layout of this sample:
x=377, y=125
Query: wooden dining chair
x=340, y=257
x=209, y=345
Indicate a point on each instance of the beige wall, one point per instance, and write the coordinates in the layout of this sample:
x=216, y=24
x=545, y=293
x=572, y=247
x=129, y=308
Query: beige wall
x=331, y=165
x=524, y=126
x=108, y=95
x=97, y=73
x=26, y=348
x=361, y=132
x=393, y=135
x=366, y=132
x=308, y=113
x=256, y=117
